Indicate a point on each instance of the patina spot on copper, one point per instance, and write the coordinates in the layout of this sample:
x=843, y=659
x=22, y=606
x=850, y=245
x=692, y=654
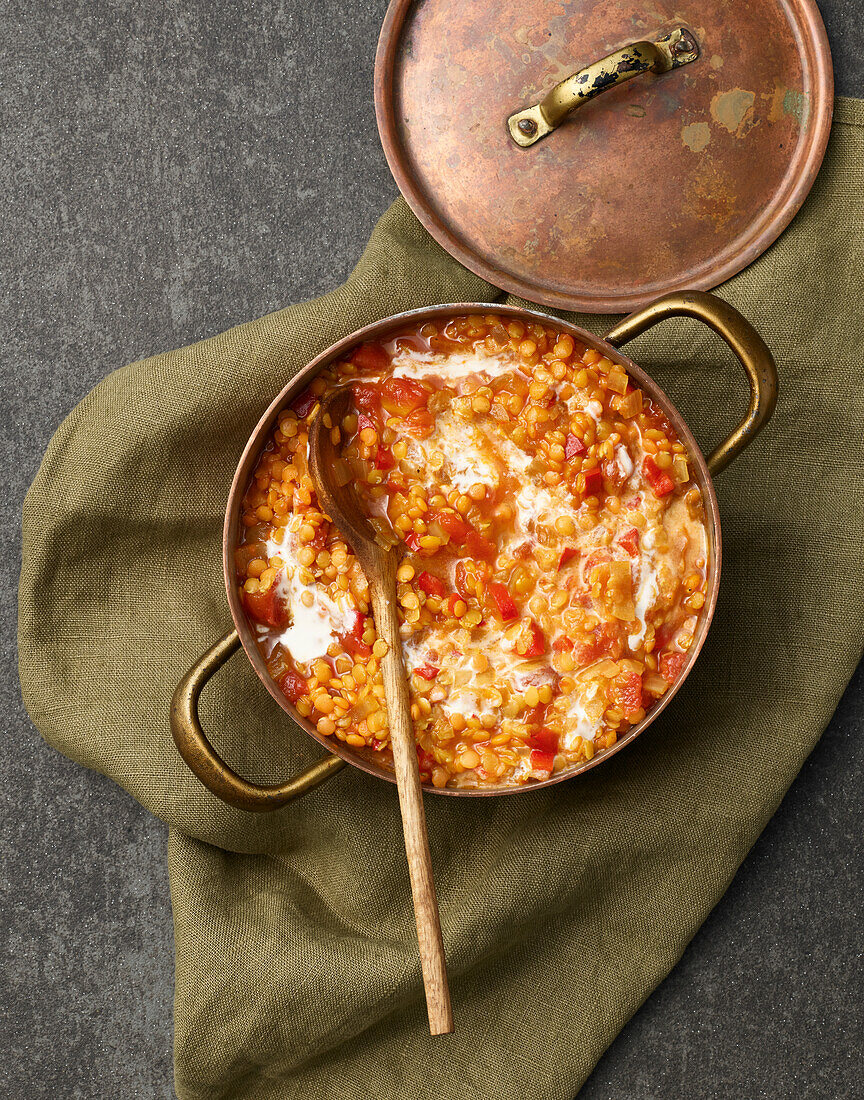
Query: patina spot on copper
x=696, y=136
x=668, y=181
x=733, y=110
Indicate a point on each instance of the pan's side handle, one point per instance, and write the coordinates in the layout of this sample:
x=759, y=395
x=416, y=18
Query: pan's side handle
x=208, y=765
x=742, y=338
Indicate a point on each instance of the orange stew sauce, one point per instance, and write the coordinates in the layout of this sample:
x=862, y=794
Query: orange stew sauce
x=552, y=545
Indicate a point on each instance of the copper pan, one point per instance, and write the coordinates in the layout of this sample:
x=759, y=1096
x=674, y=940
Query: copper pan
x=761, y=372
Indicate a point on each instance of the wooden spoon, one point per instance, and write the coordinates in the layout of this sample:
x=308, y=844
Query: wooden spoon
x=379, y=565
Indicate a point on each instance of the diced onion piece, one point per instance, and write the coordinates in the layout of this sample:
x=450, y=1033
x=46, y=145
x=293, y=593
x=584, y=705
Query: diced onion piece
x=438, y=531
x=621, y=591
x=679, y=469
x=631, y=405
x=617, y=381
x=383, y=532
x=654, y=684
x=342, y=472
x=606, y=667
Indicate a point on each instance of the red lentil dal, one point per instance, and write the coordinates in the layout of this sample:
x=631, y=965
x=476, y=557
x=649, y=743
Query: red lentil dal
x=553, y=551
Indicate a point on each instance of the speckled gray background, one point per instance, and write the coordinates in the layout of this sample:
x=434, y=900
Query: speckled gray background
x=168, y=170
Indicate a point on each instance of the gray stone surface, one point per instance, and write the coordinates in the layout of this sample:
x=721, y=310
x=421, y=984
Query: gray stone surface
x=168, y=170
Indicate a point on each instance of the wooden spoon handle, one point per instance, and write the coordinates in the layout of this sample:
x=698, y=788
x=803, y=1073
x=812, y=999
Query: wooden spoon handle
x=433, y=962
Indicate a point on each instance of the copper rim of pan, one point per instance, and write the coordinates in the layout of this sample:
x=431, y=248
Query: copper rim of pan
x=365, y=758
x=763, y=230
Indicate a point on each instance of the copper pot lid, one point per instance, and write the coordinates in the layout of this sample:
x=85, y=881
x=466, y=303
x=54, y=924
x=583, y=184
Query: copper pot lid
x=671, y=164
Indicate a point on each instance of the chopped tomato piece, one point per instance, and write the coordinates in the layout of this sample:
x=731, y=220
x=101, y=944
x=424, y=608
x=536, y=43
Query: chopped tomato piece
x=304, y=404
x=293, y=685
x=544, y=739
x=384, y=459
x=367, y=398
x=427, y=671
x=671, y=665
x=562, y=644
x=352, y=639
x=419, y=423
x=452, y=524
x=596, y=557
x=630, y=693
x=478, y=546
x=630, y=541
x=542, y=761
x=573, y=446
x=462, y=574
x=567, y=554
x=605, y=641
x=425, y=760
x=536, y=641
x=370, y=357
x=401, y=396
x=658, y=479
x=536, y=716
x=364, y=421
x=462, y=533
x=268, y=607
x=593, y=482
x=503, y=601
x=412, y=541
x=431, y=585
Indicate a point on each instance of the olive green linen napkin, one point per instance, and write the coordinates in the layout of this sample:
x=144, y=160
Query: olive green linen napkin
x=297, y=971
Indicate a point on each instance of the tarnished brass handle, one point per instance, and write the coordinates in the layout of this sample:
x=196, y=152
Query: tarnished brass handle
x=670, y=52
x=742, y=338
x=208, y=765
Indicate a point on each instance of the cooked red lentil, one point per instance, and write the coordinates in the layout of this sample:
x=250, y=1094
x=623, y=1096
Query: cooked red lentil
x=552, y=546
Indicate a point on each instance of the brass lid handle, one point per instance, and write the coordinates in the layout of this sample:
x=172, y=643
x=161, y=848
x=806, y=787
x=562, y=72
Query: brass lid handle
x=670, y=52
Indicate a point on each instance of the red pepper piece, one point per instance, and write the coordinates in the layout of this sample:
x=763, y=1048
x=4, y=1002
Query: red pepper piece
x=427, y=671
x=630, y=541
x=370, y=357
x=658, y=479
x=593, y=482
x=536, y=641
x=544, y=739
x=567, y=554
x=384, y=459
x=542, y=761
x=304, y=404
x=573, y=446
x=630, y=693
x=426, y=761
x=562, y=644
x=412, y=541
x=364, y=421
x=671, y=665
x=503, y=601
x=268, y=607
x=293, y=685
x=431, y=585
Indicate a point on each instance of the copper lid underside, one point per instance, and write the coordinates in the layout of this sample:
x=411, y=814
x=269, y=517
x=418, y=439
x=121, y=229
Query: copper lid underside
x=666, y=182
